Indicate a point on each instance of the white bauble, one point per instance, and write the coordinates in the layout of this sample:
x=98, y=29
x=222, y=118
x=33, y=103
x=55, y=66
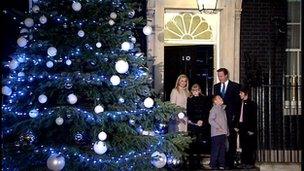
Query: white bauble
x=98, y=45
x=59, y=121
x=42, y=98
x=98, y=109
x=131, y=45
x=76, y=6
x=102, y=136
x=21, y=41
x=121, y=66
x=151, y=133
x=133, y=39
x=147, y=30
x=125, y=46
x=113, y=15
x=100, y=147
x=24, y=30
x=6, y=90
x=52, y=51
x=138, y=54
x=111, y=22
x=159, y=160
x=121, y=100
x=35, y=8
x=43, y=19
x=55, y=162
x=33, y=113
x=72, y=99
x=81, y=33
x=181, y=115
x=148, y=102
x=21, y=58
x=131, y=122
x=21, y=74
x=49, y=64
x=145, y=132
x=68, y=62
x=13, y=64
x=28, y=22
x=115, y=80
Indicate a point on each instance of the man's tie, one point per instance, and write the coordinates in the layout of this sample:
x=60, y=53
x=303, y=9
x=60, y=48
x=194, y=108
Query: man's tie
x=241, y=114
x=223, y=90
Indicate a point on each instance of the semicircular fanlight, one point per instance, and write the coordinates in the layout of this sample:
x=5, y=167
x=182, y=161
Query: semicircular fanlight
x=187, y=26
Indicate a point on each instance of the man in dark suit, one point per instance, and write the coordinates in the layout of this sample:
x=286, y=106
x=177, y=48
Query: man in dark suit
x=229, y=91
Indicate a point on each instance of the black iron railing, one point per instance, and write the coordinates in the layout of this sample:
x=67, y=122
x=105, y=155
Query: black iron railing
x=280, y=122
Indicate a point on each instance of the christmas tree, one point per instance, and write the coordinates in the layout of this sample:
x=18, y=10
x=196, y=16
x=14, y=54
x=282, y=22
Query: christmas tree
x=77, y=93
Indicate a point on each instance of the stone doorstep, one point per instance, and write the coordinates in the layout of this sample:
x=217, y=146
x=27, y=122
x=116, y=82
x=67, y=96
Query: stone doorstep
x=279, y=166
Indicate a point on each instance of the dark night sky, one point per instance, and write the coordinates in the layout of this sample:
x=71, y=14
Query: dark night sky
x=9, y=27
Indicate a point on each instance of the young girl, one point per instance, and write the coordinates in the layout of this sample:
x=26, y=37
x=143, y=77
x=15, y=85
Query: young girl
x=179, y=96
x=198, y=107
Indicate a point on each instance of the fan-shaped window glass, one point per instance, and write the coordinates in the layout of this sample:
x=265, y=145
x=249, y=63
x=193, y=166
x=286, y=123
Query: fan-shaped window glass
x=188, y=26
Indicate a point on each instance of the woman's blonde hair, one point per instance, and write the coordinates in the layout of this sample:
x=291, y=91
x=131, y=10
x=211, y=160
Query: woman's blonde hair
x=196, y=87
x=177, y=82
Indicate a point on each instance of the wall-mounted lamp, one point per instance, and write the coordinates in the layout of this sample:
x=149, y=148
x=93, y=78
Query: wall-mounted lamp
x=207, y=6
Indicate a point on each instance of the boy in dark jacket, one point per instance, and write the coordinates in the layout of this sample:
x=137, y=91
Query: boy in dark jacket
x=247, y=129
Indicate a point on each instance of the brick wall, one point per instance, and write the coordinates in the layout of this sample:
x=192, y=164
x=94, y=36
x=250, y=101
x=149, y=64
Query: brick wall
x=263, y=41
x=263, y=62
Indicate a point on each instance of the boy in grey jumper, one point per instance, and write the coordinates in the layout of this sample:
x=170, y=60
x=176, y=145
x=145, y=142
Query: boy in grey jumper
x=219, y=133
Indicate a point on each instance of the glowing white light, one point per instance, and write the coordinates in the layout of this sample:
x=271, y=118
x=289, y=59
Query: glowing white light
x=68, y=62
x=72, y=99
x=6, y=90
x=115, y=80
x=49, y=64
x=148, y=102
x=42, y=98
x=81, y=33
x=181, y=115
x=125, y=46
x=98, y=109
x=35, y=8
x=98, y=45
x=113, y=15
x=147, y=30
x=33, y=113
x=100, y=147
x=76, y=6
x=52, y=51
x=28, y=22
x=59, y=121
x=21, y=41
x=13, y=64
x=43, y=19
x=102, y=136
x=121, y=66
x=111, y=22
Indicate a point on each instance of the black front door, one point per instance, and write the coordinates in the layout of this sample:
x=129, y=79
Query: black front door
x=195, y=61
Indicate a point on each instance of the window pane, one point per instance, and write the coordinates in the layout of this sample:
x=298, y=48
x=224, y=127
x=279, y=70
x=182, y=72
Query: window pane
x=292, y=63
x=293, y=36
x=294, y=8
x=300, y=64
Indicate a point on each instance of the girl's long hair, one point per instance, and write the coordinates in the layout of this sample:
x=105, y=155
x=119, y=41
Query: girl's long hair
x=177, y=81
x=196, y=87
